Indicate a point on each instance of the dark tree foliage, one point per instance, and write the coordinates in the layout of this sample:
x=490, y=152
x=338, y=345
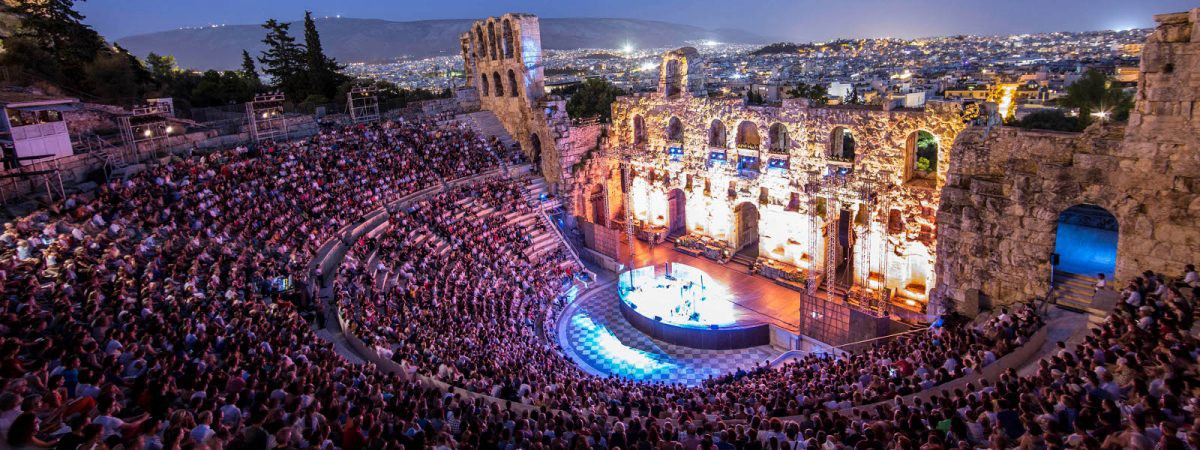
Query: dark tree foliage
x=284, y=60
x=1052, y=119
x=1095, y=92
x=754, y=98
x=814, y=93
x=593, y=98
x=324, y=73
x=56, y=28
x=248, y=69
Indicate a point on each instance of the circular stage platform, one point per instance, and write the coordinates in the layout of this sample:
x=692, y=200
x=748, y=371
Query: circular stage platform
x=683, y=305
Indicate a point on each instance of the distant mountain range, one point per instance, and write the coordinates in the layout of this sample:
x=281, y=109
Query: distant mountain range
x=373, y=40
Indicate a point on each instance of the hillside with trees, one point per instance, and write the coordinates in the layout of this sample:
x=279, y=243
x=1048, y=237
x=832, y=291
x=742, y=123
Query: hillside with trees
x=47, y=45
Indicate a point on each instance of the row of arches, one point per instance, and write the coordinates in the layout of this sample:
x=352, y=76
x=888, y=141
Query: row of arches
x=747, y=134
x=921, y=149
x=498, y=90
x=490, y=45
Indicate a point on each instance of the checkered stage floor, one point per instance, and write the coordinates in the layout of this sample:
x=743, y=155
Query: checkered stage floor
x=592, y=331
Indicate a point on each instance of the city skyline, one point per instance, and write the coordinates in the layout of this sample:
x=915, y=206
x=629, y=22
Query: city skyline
x=797, y=21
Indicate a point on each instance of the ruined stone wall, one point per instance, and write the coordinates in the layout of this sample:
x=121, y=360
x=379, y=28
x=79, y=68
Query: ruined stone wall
x=1007, y=187
x=785, y=229
x=503, y=57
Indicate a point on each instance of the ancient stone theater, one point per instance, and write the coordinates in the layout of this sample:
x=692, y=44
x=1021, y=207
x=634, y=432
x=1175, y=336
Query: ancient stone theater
x=898, y=212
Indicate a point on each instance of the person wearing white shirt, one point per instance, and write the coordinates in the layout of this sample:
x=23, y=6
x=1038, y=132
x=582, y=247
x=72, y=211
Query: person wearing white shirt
x=203, y=430
x=1190, y=277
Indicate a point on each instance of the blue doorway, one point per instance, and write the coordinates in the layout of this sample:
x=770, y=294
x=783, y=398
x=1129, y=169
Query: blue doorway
x=1086, y=241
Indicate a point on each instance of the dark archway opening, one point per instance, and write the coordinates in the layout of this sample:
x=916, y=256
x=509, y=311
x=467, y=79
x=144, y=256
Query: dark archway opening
x=845, y=248
x=746, y=229
x=677, y=210
x=535, y=152
x=1086, y=241
x=599, y=206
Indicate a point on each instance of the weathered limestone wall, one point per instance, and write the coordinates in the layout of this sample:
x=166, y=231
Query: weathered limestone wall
x=503, y=57
x=1007, y=187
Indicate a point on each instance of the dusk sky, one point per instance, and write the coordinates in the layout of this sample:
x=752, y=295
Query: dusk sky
x=799, y=20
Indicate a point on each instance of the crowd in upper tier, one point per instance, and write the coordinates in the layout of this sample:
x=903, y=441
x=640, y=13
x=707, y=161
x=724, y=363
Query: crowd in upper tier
x=169, y=311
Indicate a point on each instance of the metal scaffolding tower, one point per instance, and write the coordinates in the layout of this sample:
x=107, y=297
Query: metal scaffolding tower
x=146, y=123
x=363, y=103
x=265, y=115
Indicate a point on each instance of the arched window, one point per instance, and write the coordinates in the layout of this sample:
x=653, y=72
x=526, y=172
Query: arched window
x=747, y=135
x=780, y=142
x=921, y=156
x=841, y=145
x=639, y=131
x=675, y=130
x=512, y=83
x=483, y=85
x=492, y=39
x=716, y=134
x=480, y=43
x=499, y=87
x=508, y=40
x=673, y=78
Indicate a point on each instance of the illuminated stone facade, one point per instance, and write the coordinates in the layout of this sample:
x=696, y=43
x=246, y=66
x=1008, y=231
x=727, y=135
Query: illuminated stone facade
x=1007, y=188
x=787, y=180
x=503, y=61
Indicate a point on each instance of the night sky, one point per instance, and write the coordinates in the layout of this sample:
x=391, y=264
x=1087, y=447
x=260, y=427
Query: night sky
x=798, y=20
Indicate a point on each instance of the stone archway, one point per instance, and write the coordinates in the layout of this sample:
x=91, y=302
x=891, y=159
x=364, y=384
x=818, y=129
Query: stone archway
x=747, y=135
x=599, y=205
x=676, y=212
x=675, y=130
x=1085, y=241
x=745, y=228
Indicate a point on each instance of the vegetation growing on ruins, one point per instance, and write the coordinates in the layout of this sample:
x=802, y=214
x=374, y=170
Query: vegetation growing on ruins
x=593, y=98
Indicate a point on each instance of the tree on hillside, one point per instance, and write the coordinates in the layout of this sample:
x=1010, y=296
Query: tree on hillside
x=1096, y=92
x=324, y=73
x=283, y=60
x=54, y=27
x=593, y=98
x=814, y=93
x=248, y=69
x=162, y=67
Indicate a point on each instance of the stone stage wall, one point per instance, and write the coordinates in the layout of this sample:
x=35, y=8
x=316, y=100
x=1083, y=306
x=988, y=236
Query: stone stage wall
x=895, y=229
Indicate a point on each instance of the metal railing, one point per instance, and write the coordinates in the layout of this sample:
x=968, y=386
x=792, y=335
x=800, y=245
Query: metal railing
x=563, y=239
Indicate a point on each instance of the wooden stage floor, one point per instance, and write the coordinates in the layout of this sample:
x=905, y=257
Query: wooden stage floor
x=758, y=299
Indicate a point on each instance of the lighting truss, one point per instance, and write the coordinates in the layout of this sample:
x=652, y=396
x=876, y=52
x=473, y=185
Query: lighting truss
x=363, y=103
x=146, y=123
x=265, y=115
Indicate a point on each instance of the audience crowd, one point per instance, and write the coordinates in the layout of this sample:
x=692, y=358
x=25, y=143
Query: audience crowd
x=168, y=312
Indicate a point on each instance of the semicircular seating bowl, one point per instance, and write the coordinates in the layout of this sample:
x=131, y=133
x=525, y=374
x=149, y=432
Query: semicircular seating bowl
x=168, y=294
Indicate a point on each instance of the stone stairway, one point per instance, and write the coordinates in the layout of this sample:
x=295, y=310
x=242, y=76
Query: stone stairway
x=743, y=259
x=486, y=124
x=1074, y=292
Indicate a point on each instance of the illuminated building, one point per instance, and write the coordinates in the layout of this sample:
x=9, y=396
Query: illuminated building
x=845, y=190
